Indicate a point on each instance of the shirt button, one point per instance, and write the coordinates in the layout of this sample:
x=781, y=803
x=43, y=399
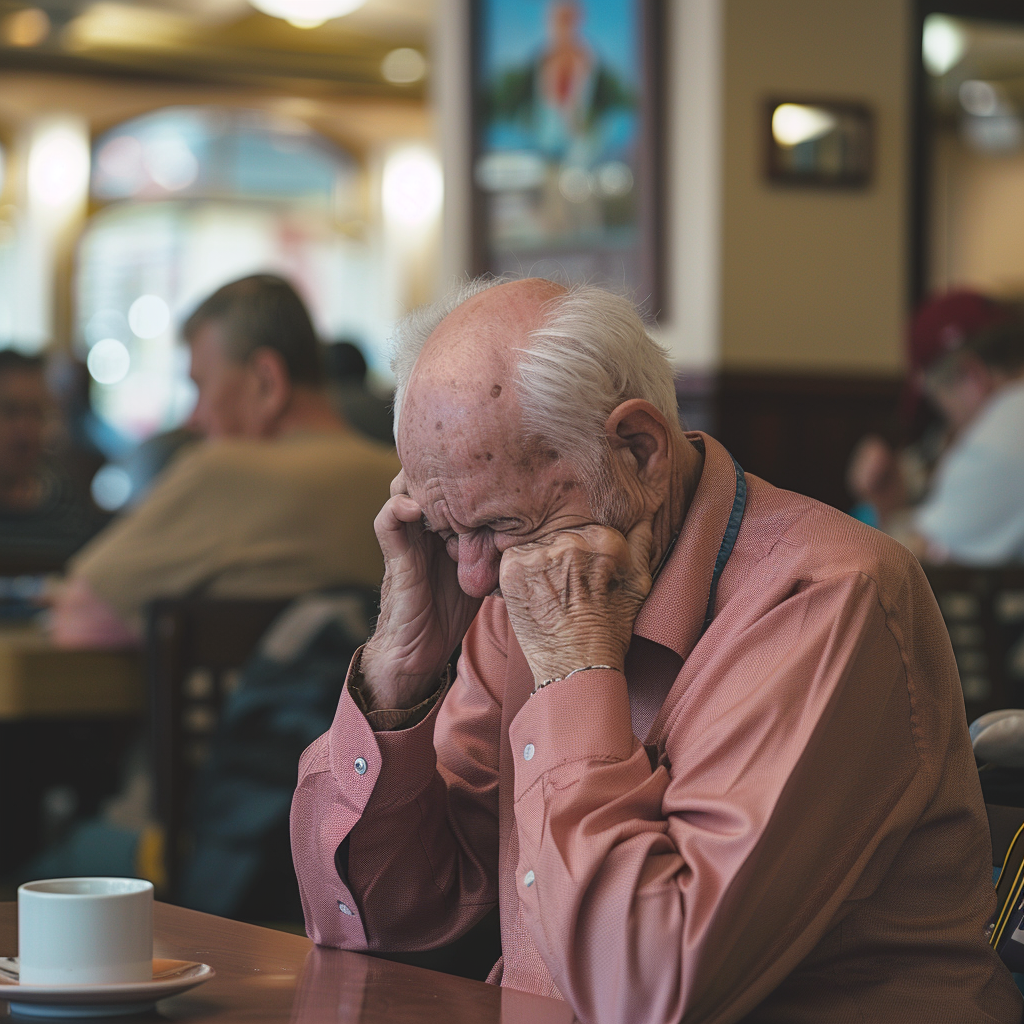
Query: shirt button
x=345, y=908
x=360, y=767
x=528, y=752
x=528, y=879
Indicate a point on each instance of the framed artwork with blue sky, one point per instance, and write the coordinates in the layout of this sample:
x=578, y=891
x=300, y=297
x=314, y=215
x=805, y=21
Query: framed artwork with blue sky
x=565, y=141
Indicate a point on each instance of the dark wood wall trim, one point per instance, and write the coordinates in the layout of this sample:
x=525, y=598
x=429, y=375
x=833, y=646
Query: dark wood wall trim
x=795, y=430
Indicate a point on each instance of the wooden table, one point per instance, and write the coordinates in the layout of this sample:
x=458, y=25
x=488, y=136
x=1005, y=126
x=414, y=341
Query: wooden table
x=38, y=680
x=264, y=975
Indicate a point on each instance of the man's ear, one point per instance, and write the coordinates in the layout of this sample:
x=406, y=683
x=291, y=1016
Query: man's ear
x=273, y=388
x=638, y=426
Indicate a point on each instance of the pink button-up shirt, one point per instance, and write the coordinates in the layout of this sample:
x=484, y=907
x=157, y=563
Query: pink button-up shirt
x=802, y=839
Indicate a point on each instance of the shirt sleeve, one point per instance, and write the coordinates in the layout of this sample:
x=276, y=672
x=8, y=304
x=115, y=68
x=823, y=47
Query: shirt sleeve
x=416, y=809
x=690, y=889
x=168, y=545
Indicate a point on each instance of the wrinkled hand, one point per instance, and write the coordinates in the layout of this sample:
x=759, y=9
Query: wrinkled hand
x=573, y=596
x=424, y=613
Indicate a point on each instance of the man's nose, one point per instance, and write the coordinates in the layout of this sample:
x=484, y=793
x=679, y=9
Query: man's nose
x=479, y=562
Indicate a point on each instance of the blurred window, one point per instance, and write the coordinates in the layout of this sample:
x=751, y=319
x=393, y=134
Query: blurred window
x=215, y=153
x=195, y=197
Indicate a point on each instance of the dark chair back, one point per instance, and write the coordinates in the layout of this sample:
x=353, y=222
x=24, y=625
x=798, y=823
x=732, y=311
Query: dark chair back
x=984, y=612
x=1003, y=825
x=195, y=648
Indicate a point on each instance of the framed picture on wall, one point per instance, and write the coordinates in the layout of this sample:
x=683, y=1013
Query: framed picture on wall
x=566, y=141
x=818, y=143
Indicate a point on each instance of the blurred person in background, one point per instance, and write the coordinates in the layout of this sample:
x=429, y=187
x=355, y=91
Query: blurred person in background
x=956, y=493
x=44, y=516
x=974, y=510
x=279, y=501
x=368, y=413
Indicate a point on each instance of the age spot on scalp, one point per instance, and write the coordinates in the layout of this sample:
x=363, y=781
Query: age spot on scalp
x=489, y=456
x=438, y=425
x=496, y=391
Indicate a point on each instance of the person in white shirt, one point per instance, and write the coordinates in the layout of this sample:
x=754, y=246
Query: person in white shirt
x=973, y=513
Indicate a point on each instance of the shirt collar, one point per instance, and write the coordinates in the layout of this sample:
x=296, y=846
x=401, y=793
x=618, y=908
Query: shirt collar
x=673, y=613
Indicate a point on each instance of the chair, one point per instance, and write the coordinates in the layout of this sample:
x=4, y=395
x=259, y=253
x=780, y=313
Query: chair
x=1003, y=824
x=195, y=649
x=984, y=613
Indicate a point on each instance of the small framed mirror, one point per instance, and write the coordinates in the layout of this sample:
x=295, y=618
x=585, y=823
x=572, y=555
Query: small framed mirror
x=819, y=144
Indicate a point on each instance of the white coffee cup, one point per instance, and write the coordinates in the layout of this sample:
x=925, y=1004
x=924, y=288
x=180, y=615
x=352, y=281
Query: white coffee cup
x=85, y=931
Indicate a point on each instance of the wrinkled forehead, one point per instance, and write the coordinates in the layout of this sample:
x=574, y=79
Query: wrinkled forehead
x=446, y=432
x=461, y=405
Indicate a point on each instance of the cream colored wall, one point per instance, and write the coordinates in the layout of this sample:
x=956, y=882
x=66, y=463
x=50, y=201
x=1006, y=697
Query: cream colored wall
x=812, y=280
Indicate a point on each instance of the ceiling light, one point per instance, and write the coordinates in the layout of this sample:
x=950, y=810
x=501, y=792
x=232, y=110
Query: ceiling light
x=306, y=13
x=28, y=27
x=793, y=123
x=942, y=44
x=403, y=66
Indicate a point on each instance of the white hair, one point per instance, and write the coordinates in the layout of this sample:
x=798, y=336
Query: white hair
x=591, y=353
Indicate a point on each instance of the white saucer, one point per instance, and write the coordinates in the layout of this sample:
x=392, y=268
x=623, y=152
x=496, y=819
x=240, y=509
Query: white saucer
x=169, y=978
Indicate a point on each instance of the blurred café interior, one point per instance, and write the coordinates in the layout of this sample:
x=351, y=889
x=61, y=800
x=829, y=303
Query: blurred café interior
x=780, y=185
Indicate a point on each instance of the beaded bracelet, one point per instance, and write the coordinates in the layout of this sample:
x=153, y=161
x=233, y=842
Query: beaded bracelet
x=584, y=668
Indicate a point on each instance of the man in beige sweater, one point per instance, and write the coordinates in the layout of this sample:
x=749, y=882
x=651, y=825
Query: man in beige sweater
x=279, y=500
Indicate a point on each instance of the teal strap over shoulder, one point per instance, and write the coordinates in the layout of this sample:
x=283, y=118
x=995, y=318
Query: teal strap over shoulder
x=731, y=530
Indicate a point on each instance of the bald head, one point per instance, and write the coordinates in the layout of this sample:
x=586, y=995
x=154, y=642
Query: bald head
x=467, y=365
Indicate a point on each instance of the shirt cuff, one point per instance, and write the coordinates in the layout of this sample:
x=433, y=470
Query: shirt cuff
x=585, y=718
x=392, y=719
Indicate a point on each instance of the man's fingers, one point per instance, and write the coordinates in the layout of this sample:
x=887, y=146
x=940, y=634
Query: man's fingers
x=392, y=521
x=398, y=484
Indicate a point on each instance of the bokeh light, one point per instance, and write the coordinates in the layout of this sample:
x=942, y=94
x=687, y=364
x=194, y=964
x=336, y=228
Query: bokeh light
x=403, y=66
x=412, y=187
x=111, y=487
x=27, y=27
x=149, y=316
x=58, y=165
x=171, y=163
x=108, y=361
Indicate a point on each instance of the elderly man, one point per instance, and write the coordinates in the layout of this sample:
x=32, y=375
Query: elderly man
x=280, y=501
x=706, y=746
